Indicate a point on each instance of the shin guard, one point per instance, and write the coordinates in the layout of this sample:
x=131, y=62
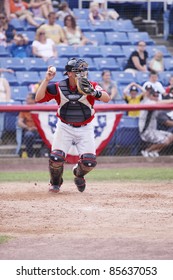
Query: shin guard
x=85, y=164
x=56, y=166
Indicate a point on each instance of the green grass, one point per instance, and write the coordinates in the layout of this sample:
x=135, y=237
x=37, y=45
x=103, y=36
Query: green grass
x=122, y=174
x=4, y=239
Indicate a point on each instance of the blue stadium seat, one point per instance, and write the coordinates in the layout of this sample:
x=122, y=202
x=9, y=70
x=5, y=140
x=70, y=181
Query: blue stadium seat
x=122, y=61
x=98, y=37
x=18, y=24
x=35, y=64
x=141, y=77
x=102, y=26
x=59, y=63
x=123, y=25
x=117, y=38
x=127, y=50
x=81, y=13
x=91, y=64
x=106, y=63
x=168, y=63
x=122, y=78
x=95, y=76
x=89, y=51
x=30, y=35
x=152, y=49
x=164, y=77
x=112, y=51
x=127, y=135
x=135, y=37
x=4, y=52
x=19, y=93
x=10, y=121
x=27, y=77
x=83, y=24
x=67, y=51
x=59, y=76
x=11, y=78
x=15, y=63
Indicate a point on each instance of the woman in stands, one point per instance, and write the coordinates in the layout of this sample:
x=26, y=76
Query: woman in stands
x=156, y=64
x=42, y=11
x=138, y=59
x=109, y=85
x=73, y=33
x=7, y=28
x=5, y=96
x=43, y=47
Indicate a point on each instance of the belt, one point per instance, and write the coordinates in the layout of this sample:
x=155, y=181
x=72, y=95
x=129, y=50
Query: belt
x=73, y=125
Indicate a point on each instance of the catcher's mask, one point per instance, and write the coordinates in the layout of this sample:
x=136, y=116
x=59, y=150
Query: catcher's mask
x=76, y=65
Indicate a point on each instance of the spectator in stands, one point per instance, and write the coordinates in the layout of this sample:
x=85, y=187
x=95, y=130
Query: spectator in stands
x=73, y=33
x=20, y=46
x=7, y=28
x=20, y=9
x=26, y=122
x=138, y=59
x=94, y=13
x=64, y=10
x=109, y=85
x=131, y=96
x=170, y=86
x=165, y=120
x=5, y=96
x=3, y=39
x=43, y=10
x=156, y=85
x=157, y=139
x=54, y=31
x=157, y=62
x=5, y=8
x=43, y=47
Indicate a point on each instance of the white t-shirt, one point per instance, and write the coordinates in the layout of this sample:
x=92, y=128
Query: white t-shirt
x=45, y=50
x=157, y=86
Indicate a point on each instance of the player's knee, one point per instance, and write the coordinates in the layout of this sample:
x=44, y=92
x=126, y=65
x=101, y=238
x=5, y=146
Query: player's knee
x=88, y=161
x=57, y=158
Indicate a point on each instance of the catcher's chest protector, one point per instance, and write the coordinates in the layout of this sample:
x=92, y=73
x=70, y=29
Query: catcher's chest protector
x=72, y=110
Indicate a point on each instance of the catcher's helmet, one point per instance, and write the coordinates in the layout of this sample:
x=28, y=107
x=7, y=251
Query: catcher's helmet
x=76, y=65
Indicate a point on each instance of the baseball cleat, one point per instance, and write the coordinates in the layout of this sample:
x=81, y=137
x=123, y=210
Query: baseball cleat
x=80, y=183
x=54, y=189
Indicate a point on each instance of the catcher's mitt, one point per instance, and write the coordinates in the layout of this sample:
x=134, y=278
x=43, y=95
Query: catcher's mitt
x=84, y=86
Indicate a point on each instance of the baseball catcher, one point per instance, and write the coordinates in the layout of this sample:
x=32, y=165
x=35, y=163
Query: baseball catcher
x=75, y=97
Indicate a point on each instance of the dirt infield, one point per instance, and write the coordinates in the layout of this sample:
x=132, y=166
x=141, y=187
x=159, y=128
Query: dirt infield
x=111, y=220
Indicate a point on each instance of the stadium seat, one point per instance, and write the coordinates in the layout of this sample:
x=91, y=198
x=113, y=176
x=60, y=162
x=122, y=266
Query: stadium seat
x=168, y=63
x=122, y=78
x=106, y=63
x=122, y=61
x=127, y=135
x=102, y=26
x=10, y=121
x=15, y=63
x=123, y=25
x=4, y=52
x=164, y=77
x=27, y=77
x=83, y=24
x=11, y=78
x=19, y=93
x=117, y=38
x=98, y=37
x=91, y=64
x=89, y=51
x=81, y=13
x=59, y=63
x=59, y=76
x=67, y=51
x=135, y=37
x=34, y=64
x=152, y=49
x=127, y=50
x=95, y=76
x=112, y=51
x=141, y=77
x=18, y=24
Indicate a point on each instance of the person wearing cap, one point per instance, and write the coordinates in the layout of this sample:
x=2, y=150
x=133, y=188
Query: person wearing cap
x=155, y=83
x=132, y=96
x=148, y=127
x=75, y=114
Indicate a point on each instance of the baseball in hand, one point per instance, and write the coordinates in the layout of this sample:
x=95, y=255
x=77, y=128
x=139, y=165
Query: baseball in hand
x=52, y=69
